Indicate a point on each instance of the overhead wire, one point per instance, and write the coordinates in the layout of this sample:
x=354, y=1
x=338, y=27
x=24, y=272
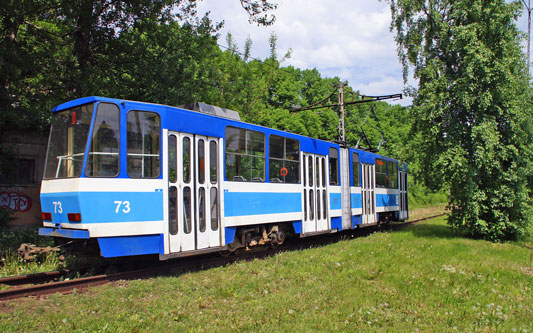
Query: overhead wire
x=315, y=105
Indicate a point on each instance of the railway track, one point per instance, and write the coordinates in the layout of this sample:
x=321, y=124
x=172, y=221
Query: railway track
x=33, y=278
x=41, y=284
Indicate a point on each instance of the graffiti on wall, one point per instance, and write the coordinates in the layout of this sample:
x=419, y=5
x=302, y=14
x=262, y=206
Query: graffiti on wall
x=15, y=201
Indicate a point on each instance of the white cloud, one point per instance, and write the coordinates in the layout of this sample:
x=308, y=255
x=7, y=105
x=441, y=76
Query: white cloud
x=349, y=39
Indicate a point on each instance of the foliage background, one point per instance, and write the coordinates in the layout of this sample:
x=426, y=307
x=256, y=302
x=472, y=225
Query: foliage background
x=472, y=110
x=468, y=133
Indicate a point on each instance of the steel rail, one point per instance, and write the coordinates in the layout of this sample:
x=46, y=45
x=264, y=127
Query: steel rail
x=69, y=285
x=18, y=280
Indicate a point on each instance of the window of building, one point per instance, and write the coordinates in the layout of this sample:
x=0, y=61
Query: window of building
x=18, y=171
x=284, y=160
x=333, y=166
x=103, y=157
x=355, y=169
x=245, y=155
x=143, y=142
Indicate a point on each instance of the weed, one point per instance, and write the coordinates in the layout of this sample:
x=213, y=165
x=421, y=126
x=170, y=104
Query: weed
x=13, y=264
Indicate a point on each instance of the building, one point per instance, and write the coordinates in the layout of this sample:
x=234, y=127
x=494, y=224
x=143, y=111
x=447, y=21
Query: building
x=21, y=172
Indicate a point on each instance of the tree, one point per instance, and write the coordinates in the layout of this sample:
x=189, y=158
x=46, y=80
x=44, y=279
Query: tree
x=27, y=47
x=472, y=109
x=55, y=50
x=258, y=11
x=161, y=63
x=95, y=24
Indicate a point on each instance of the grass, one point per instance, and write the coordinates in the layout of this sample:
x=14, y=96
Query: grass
x=12, y=264
x=419, y=278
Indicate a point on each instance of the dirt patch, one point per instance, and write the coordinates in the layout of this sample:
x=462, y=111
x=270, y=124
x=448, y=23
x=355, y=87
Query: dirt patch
x=419, y=213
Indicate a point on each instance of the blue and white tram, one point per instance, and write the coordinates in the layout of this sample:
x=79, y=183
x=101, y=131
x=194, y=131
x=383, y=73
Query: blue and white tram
x=143, y=178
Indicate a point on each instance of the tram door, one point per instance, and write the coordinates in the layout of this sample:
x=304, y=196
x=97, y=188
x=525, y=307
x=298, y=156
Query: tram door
x=368, y=184
x=404, y=202
x=194, y=197
x=315, y=193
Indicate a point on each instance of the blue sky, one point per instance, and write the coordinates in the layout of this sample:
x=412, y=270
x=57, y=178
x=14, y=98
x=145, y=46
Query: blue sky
x=345, y=38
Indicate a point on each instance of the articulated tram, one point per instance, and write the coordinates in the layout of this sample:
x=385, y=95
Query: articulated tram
x=139, y=178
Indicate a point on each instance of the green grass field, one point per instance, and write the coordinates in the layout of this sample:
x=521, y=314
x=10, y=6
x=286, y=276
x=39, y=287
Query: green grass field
x=419, y=278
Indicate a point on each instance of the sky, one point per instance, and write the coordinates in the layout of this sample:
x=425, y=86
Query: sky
x=349, y=39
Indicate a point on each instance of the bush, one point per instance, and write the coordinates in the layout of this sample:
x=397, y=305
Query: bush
x=5, y=217
x=11, y=238
x=420, y=196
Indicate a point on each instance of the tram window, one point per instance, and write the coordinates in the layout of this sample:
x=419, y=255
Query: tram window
x=381, y=173
x=310, y=169
x=333, y=166
x=305, y=173
x=102, y=160
x=68, y=140
x=201, y=209
x=213, y=165
x=325, y=200
x=318, y=198
x=317, y=174
x=305, y=204
x=201, y=161
x=186, y=160
x=276, y=147
x=323, y=171
x=355, y=169
x=284, y=160
x=187, y=222
x=311, y=206
x=245, y=155
x=172, y=167
x=172, y=211
x=214, y=208
x=393, y=175
x=143, y=141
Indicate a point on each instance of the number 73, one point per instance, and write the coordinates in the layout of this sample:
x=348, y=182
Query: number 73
x=125, y=206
